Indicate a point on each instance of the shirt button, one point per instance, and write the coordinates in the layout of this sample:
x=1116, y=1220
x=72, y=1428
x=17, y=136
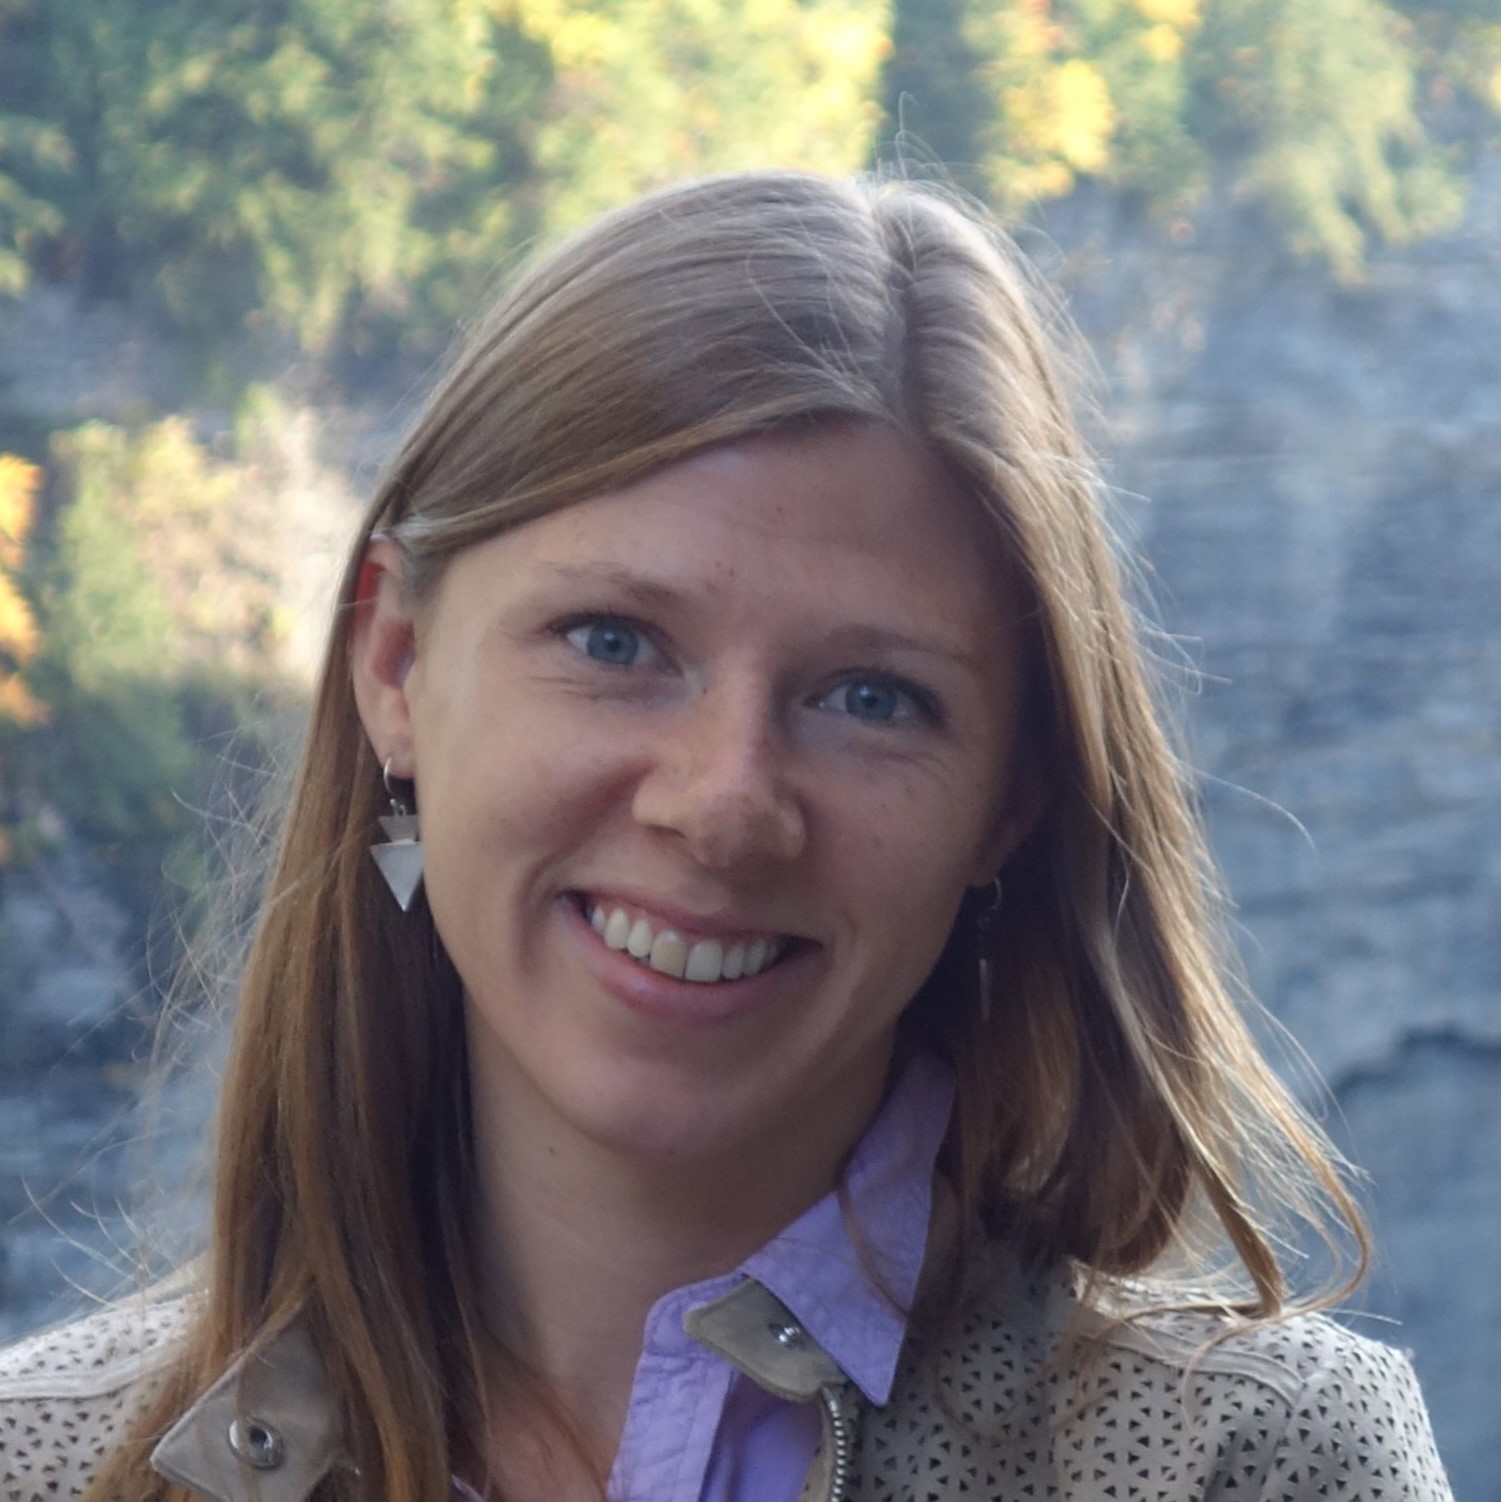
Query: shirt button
x=257, y=1443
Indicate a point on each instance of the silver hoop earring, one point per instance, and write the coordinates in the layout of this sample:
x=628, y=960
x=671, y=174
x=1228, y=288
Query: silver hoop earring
x=399, y=856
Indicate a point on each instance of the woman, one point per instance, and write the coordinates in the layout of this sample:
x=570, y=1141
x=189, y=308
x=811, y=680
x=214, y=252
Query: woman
x=796, y=1023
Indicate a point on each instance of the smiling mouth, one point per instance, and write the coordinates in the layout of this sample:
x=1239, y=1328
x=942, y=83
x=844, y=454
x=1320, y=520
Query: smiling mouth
x=659, y=947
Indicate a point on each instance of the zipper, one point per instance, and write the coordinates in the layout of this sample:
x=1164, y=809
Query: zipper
x=837, y=1429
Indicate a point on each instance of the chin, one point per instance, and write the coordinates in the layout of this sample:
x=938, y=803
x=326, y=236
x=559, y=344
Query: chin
x=670, y=1125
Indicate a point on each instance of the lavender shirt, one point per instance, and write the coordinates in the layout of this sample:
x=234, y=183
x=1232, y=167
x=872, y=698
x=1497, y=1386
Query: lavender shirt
x=698, y=1429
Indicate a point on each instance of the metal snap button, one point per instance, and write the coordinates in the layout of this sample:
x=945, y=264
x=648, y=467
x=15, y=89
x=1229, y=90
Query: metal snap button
x=256, y=1442
x=790, y=1335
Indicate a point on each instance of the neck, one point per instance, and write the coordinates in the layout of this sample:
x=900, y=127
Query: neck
x=578, y=1241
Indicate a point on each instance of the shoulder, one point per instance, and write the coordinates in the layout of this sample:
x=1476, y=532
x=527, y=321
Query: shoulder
x=101, y=1353
x=67, y=1395
x=1318, y=1409
x=1033, y=1390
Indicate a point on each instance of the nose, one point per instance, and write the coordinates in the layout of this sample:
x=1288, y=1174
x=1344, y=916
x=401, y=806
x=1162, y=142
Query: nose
x=719, y=782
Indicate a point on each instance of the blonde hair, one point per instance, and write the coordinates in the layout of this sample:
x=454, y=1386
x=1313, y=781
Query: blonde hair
x=1106, y=1083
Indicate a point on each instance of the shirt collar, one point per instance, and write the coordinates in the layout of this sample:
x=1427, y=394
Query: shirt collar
x=847, y=1269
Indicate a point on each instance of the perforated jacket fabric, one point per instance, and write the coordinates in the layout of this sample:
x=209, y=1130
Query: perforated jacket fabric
x=67, y=1396
x=1148, y=1411
x=1302, y=1411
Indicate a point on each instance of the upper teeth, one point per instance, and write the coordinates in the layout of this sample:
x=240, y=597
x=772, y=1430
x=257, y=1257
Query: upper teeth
x=665, y=950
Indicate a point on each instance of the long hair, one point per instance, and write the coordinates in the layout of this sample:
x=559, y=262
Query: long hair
x=1109, y=1095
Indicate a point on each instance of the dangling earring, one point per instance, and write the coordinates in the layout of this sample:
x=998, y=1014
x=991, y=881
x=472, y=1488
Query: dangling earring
x=399, y=857
x=984, y=923
x=985, y=918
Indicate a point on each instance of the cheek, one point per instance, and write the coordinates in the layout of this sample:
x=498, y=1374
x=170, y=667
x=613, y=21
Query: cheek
x=933, y=824
x=905, y=861
x=503, y=798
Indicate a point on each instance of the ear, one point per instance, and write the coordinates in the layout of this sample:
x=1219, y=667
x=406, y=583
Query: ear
x=382, y=652
x=1022, y=806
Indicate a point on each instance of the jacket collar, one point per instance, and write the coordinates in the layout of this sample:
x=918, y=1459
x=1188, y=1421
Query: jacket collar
x=265, y=1430
x=848, y=1268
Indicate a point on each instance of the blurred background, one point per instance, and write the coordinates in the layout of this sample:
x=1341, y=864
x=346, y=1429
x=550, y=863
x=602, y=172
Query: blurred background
x=236, y=235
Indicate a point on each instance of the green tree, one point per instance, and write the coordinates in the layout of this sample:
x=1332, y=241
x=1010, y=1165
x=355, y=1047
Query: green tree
x=1315, y=104
x=114, y=758
x=156, y=625
x=934, y=100
x=28, y=147
x=648, y=90
x=231, y=161
x=1089, y=89
x=355, y=172
x=1327, y=114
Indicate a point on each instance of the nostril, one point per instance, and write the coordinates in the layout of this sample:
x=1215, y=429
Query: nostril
x=726, y=815
x=750, y=828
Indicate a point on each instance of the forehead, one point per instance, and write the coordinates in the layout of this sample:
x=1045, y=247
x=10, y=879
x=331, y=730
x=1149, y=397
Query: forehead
x=851, y=484
x=811, y=525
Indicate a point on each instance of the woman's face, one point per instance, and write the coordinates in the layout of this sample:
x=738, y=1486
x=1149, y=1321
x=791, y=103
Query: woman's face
x=751, y=718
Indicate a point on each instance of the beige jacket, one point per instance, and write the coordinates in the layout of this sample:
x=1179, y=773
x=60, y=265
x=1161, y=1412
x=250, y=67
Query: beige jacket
x=1301, y=1412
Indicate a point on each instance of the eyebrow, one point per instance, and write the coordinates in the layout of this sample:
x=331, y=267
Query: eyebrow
x=612, y=576
x=854, y=636
x=865, y=637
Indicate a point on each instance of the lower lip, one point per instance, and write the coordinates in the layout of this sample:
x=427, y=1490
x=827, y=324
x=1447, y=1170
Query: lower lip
x=664, y=997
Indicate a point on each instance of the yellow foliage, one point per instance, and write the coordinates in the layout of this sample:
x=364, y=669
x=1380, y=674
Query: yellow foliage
x=1162, y=43
x=18, y=487
x=1083, y=118
x=648, y=91
x=18, y=633
x=1050, y=180
x=1181, y=15
x=1031, y=33
x=208, y=548
x=1058, y=113
x=18, y=704
x=579, y=39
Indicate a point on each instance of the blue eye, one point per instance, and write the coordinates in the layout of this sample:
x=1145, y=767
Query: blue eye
x=877, y=700
x=607, y=641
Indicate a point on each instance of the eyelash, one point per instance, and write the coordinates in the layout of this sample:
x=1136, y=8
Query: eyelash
x=565, y=628
x=926, y=706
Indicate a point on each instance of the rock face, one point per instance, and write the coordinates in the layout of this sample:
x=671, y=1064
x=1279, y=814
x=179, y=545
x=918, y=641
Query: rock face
x=65, y=1104
x=1321, y=468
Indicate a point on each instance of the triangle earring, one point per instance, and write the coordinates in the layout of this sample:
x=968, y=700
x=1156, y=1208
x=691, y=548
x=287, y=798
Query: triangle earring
x=399, y=856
